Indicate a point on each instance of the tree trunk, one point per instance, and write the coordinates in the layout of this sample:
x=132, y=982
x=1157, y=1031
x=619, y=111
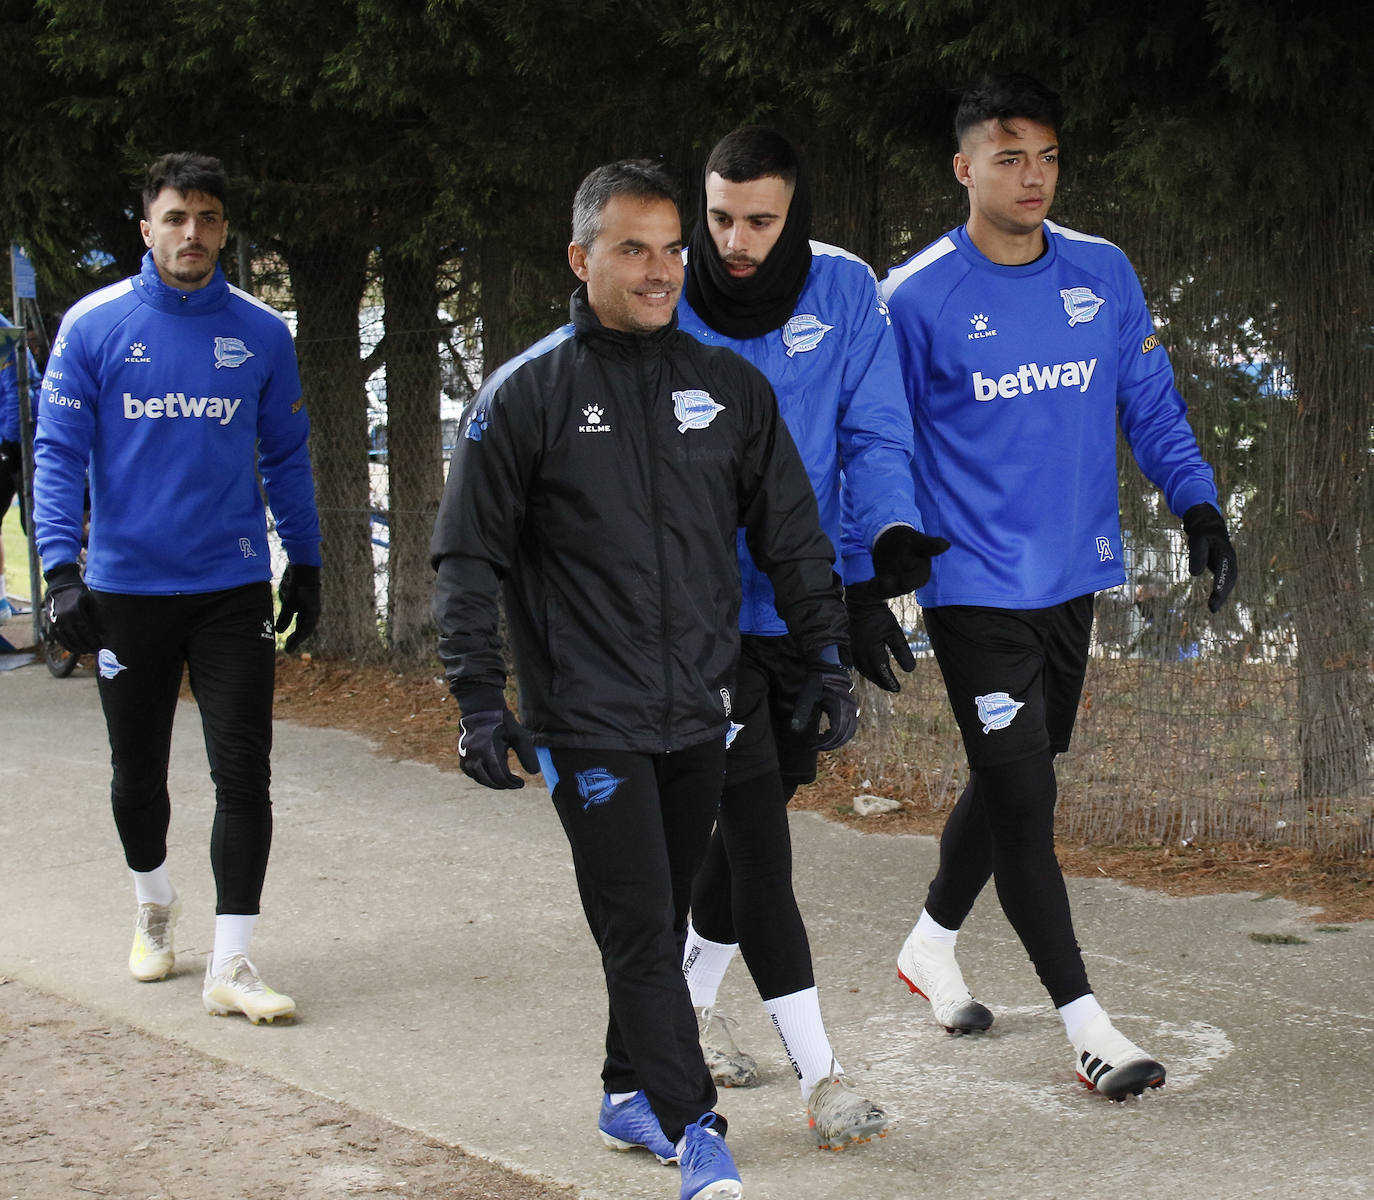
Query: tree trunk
x=499, y=341
x=414, y=449
x=1327, y=290
x=328, y=277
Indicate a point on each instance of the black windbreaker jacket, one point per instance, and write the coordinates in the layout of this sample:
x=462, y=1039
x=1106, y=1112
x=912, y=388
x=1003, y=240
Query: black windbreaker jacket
x=598, y=484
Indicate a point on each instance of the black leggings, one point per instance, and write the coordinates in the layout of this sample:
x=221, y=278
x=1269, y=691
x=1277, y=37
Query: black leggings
x=225, y=640
x=638, y=825
x=743, y=892
x=1003, y=828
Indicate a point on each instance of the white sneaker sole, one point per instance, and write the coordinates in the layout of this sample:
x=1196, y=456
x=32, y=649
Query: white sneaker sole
x=152, y=968
x=220, y=1007
x=724, y=1189
x=616, y=1143
x=858, y=1135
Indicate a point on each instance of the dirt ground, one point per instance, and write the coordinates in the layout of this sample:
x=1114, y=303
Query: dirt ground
x=178, y=1125
x=91, y=1107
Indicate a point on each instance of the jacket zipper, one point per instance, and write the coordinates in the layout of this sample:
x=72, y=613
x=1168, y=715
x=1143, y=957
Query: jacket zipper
x=657, y=509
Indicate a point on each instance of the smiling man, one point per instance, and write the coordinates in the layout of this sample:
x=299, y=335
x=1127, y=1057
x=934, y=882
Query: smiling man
x=1024, y=346
x=174, y=392
x=597, y=487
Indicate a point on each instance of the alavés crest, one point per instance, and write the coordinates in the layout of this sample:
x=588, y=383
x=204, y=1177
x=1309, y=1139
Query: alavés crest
x=231, y=352
x=596, y=785
x=694, y=409
x=803, y=332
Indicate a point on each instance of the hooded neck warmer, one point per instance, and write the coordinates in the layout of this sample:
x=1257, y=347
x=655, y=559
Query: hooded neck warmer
x=747, y=308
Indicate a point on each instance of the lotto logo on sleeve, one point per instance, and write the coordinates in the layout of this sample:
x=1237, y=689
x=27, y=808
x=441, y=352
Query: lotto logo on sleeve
x=179, y=404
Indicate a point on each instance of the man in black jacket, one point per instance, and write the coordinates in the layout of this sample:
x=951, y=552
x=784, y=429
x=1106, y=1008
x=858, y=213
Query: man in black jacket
x=597, y=488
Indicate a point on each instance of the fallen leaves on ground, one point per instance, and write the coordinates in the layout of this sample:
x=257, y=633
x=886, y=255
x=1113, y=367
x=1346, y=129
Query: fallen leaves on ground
x=410, y=715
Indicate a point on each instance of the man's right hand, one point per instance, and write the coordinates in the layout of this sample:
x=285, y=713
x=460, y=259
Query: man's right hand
x=487, y=735
x=828, y=691
x=70, y=609
x=874, y=631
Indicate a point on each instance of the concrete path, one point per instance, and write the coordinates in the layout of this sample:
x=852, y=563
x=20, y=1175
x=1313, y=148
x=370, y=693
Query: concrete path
x=430, y=933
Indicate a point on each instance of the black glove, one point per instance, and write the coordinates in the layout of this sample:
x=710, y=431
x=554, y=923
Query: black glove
x=1209, y=545
x=487, y=734
x=300, y=599
x=873, y=631
x=70, y=609
x=828, y=690
x=901, y=560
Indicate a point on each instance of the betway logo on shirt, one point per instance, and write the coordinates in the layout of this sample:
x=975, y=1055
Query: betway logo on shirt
x=1032, y=377
x=179, y=404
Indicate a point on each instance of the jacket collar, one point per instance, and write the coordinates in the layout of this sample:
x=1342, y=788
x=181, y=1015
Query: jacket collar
x=152, y=291
x=588, y=327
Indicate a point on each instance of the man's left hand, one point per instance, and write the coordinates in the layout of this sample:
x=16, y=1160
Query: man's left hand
x=300, y=601
x=901, y=560
x=1209, y=545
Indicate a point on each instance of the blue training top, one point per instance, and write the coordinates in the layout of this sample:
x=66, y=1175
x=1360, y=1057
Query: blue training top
x=174, y=402
x=1017, y=377
x=833, y=367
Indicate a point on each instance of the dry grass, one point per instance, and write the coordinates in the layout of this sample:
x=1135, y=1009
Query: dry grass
x=409, y=715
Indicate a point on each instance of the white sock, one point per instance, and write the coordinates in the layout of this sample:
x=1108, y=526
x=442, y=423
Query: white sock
x=233, y=934
x=1077, y=1013
x=704, y=963
x=621, y=1097
x=153, y=887
x=928, y=927
x=797, y=1018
